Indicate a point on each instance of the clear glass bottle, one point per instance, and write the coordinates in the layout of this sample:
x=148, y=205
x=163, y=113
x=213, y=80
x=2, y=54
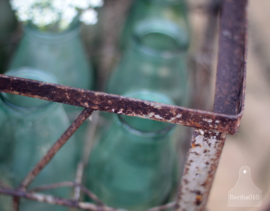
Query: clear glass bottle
x=147, y=12
x=134, y=165
x=28, y=128
x=155, y=61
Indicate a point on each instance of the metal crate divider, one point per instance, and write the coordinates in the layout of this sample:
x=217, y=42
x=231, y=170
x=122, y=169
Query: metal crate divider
x=210, y=127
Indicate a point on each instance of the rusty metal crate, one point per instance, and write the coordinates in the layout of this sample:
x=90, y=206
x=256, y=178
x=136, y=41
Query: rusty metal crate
x=210, y=128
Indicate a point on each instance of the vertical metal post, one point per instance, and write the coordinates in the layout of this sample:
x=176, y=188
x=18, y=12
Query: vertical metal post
x=206, y=145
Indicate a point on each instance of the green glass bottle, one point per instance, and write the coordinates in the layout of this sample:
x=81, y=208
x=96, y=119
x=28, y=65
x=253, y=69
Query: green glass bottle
x=147, y=12
x=28, y=128
x=134, y=164
x=59, y=53
x=156, y=61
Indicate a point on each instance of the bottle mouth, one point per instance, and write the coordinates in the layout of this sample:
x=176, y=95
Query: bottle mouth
x=54, y=36
x=144, y=127
x=23, y=103
x=160, y=37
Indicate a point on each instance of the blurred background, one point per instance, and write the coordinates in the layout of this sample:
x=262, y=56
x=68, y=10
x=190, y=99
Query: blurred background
x=251, y=145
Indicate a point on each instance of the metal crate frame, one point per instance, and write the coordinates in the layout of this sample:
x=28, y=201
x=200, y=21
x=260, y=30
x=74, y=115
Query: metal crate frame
x=210, y=128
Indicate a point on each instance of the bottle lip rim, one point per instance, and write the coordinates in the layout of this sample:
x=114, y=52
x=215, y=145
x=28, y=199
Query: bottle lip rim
x=141, y=31
x=144, y=134
x=71, y=32
x=20, y=72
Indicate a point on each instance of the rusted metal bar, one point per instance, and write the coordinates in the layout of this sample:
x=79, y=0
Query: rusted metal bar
x=78, y=180
x=85, y=155
x=68, y=184
x=55, y=200
x=231, y=58
x=120, y=105
x=16, y=203
x=202, y=161
x=92, y=195
x=90, y=140
x=68, y=202
x=206, y=145
x=56, y=147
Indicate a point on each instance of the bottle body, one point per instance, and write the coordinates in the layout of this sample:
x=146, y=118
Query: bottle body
x=27, y=133
x=134, y=165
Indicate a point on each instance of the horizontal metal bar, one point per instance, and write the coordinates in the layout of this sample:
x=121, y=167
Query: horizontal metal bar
x=45, y=198
x=120, y=104
x=89, y=193
x=70, y=202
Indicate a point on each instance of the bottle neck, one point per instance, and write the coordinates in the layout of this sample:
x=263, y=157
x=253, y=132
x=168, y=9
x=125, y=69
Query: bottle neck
x=160, y=39
x=54, y=37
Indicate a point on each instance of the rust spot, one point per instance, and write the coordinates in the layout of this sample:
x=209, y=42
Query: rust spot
x=204, y=184
x=193, y=145
x=186, y=170
x=198, y=200
x=189, y=163
x=186, y=181
x=198, y=192
x=195, y=153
